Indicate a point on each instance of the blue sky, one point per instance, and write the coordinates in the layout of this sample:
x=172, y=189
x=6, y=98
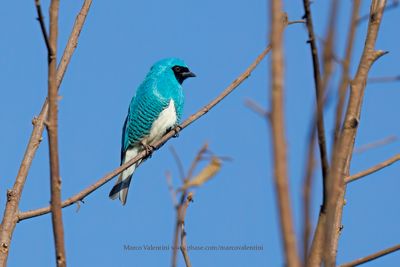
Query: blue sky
x=218, y=40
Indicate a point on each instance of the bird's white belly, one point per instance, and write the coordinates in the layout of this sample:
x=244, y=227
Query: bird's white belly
x=166, y=120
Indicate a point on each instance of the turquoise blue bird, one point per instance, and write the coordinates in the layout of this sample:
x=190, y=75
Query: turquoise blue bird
x=154, y=110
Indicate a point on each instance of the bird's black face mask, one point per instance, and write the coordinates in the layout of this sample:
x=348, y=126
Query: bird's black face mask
x=182, y=73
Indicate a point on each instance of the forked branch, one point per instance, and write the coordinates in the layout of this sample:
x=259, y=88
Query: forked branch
x=345, y=145
x=10, y=217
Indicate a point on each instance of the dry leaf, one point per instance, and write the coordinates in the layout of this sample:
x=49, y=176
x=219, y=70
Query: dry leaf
x=206, y=174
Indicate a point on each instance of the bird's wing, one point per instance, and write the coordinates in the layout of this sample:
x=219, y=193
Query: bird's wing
x=143, y=111
x=124, y=139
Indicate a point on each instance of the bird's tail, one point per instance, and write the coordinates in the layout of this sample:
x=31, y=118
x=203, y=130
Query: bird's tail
x=121, y=187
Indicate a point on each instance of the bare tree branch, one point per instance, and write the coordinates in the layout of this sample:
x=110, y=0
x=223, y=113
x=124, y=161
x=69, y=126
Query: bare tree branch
x=10, y=217
x=171, y=189
x=379, y=143
x=320, y=84
x=181, y=208
x=43, y=27
x=319, y=90
x=316, y=251
x=307, y=187
x=328, y=54
x=178, y=163
x=391, y=6
x=72, y=41
x=254, y=106
x=343, y=151
x=278, y=135
x=52, y=130
x=345, y=75
x=81, y=195
x=196, y=161
x=371, y=257
x=186, y=198
x=384, y=79
x=317, y=245
x=300, y=21
x=371, y=170
x=185, y=254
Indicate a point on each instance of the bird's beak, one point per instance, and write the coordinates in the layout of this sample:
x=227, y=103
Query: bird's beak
x=188, y=74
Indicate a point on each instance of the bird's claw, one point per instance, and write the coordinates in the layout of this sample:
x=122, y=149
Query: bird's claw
x=177, y=129
x=149, y=149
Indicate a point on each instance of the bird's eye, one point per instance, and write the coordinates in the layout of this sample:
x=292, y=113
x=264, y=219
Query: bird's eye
x=177, y=69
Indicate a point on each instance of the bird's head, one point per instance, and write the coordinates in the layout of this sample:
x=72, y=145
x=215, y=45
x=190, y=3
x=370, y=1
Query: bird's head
x=173, y=66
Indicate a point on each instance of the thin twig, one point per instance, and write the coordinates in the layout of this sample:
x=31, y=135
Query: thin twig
x=52, y=130
x=40, y=18
x=10, y=217
x=371, y=170
x=328, y=51
x=332, y=54
x=171, y=189
x=371, y=257
x=82, y=194
x=300, y=21
x=196, y=161
x=278, y=135
x=254, y=106
x=307, y=189
x=222, y=158
x=73, y=40
x=319, y=95
x=379, y=143
x=178, y=162
x=384, y=79
x=345, y=75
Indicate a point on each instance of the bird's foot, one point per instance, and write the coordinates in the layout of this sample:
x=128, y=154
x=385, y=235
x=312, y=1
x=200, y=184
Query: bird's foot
x=149, y=149
x=177, y=129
